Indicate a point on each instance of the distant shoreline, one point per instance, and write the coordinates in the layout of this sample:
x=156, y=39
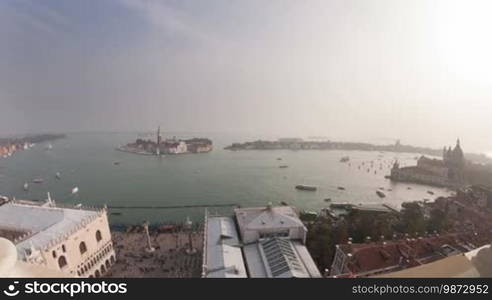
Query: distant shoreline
x=298, y=144
x=35, y=138
x=9, y=146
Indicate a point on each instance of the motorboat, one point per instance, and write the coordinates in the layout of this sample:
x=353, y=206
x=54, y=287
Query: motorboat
x=345, y=159
x=304, y=187
x=380, y=194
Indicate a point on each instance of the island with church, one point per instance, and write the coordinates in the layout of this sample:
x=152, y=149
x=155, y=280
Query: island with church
x=169, y=146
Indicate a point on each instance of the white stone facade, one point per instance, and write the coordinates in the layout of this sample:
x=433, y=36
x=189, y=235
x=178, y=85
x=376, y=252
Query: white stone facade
x=73, y=240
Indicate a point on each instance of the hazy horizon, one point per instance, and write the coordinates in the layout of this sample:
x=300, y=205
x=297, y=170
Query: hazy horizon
x=419, y=71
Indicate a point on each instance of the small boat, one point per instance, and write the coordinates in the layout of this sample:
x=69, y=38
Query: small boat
x=328, y=200
x=26, y=186
x=58, y=175
x=409, y=188
x=304, y=187
x=279, y=158
x=345, y=159
x=116, y=163
x=38, y=180
x=430, y=192
x=75, y=190
x=283, y=166
x=341, y=188
x=380, y=194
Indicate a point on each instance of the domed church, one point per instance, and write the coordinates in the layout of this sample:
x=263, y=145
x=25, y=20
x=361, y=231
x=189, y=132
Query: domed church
x=450, y=171
x=454, y=159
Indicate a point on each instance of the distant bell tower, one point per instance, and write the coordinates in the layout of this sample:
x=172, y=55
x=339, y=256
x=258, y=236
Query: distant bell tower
x=157, y=148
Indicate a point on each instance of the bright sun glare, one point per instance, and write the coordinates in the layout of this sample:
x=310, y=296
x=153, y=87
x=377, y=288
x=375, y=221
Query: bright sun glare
x=463, y=39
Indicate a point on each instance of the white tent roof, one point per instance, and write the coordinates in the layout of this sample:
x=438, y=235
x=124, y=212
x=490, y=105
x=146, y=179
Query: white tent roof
x=267, y=217
x=223, y=256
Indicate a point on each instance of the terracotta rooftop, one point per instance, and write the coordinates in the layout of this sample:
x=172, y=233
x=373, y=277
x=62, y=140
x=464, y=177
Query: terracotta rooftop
x=381, y=257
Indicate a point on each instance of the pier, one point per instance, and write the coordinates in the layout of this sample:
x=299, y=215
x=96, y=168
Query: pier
x=172, y=206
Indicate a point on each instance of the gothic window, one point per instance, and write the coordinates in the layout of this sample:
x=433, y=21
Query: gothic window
x=62, y=262
x=98, y=236
x=82, y=248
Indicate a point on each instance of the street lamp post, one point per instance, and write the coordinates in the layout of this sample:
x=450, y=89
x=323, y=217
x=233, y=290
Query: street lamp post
x=188, y=226
x=149, y=248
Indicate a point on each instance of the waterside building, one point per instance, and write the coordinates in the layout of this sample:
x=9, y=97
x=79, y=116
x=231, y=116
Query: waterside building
x=449, y=172
x=73, y=240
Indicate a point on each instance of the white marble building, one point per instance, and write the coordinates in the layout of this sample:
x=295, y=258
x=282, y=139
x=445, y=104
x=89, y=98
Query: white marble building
x=73, y=240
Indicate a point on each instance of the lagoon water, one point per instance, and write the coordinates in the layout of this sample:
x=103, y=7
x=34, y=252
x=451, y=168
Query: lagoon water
x=246, y=178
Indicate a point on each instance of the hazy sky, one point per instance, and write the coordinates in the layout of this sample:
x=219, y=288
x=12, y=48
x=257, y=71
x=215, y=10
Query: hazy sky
x=354, y=70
